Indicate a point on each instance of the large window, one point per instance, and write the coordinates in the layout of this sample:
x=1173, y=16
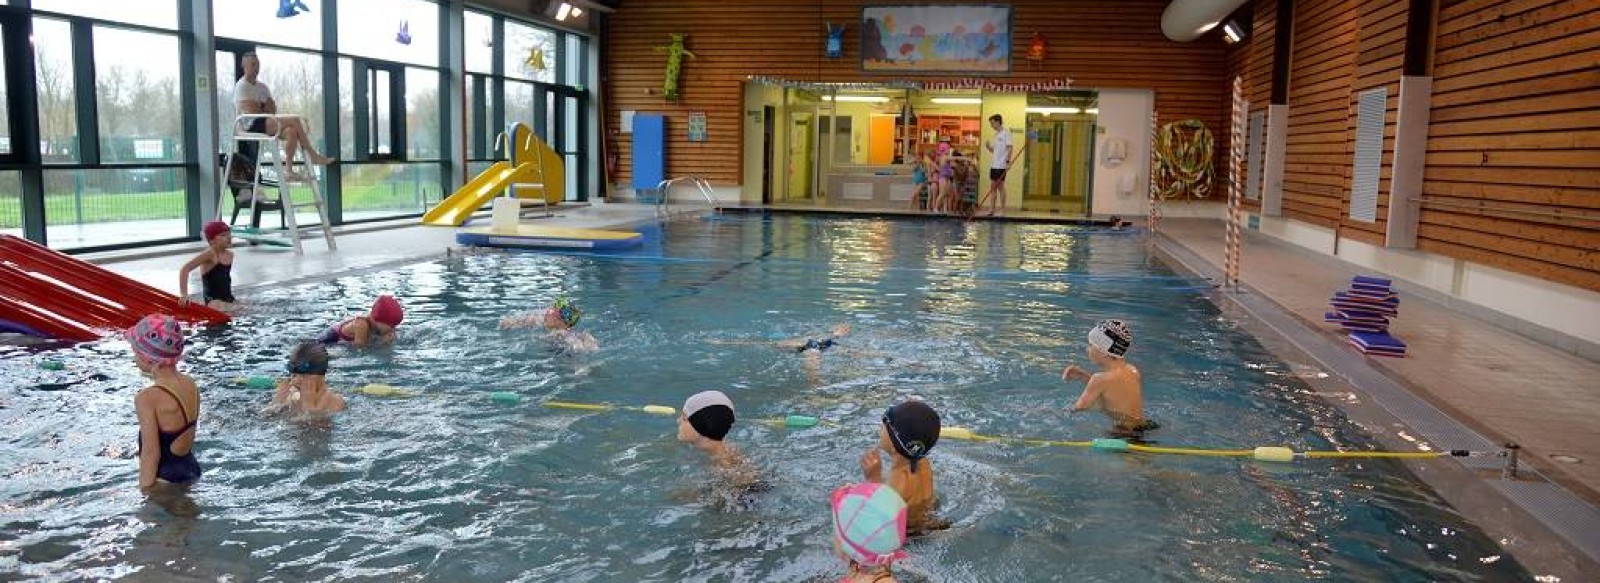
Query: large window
x=57, y=90
x=422, y=114
x=479, y=42
x=136, y=89
x=256, y=20
x=381, y=190
x=530, y=53
x=156, y=13
x=89, y=208
x=405, y=31
x=11, y=203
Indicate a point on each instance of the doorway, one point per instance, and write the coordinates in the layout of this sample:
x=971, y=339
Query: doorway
x=1060, y=168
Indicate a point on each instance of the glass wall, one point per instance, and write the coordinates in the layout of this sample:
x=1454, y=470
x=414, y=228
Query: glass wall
x=114, y=160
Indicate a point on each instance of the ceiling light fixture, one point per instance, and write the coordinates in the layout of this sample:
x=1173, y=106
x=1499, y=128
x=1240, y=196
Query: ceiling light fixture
x=1231, y=33
x=1050, y=110
x=958, y=100
x=856, y=98
x=564, y=11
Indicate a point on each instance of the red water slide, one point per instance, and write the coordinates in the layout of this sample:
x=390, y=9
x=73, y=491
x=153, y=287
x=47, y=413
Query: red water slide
x=67, y=298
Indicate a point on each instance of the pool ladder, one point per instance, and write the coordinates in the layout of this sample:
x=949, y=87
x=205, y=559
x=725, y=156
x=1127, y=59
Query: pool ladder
x=664, y=190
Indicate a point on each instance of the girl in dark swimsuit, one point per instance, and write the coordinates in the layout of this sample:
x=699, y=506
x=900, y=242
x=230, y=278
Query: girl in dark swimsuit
x=377, y=327
x=216, y=268
x=169, y=409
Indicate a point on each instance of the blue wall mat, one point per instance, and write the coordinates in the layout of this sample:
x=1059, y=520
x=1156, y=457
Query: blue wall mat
x=649, y=150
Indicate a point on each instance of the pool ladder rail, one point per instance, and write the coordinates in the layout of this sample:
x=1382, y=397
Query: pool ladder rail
x=664, y=191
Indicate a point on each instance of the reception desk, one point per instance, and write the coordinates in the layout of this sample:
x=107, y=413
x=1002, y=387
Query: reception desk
x=869, y=186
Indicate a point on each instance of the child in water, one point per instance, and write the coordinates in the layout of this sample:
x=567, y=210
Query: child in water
x=169, y=409
x=306, y=389
x=559, y=319
x=704, y=422
x=216, y=269
x=907, y=435
x=869, y=528
x=377, y=327
x=1117, y=390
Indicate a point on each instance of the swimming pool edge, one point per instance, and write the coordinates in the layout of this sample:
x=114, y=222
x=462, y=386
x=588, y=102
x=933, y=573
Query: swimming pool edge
x=1548, y=528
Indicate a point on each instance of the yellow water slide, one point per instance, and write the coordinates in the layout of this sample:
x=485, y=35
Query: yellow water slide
x=532, y=162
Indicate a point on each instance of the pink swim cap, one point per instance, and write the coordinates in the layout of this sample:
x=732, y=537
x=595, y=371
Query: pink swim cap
x=158, y=338
x=386, y=310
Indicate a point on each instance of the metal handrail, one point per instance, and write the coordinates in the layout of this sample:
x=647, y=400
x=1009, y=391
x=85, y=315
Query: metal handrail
x=700, y=183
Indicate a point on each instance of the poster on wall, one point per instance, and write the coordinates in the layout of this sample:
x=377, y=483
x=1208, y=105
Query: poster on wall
x=697, y=126
x=936, y=39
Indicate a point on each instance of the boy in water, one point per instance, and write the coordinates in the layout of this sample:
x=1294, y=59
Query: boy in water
x=560, y=319
x=907, y=435
x=306, y=389
x=704, y=422
x=1117, y=390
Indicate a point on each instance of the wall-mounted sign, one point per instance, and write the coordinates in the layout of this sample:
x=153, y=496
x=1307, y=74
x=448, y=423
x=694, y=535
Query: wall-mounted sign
x=697, y=126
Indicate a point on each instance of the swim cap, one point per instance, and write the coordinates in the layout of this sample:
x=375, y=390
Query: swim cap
x=158, y=338
x=710, y=413
x=869, y=523
x=913, y=429
x=214, y=228
x=570, y=314
x=309, y=357
x=387, y=310
x=1111, y=336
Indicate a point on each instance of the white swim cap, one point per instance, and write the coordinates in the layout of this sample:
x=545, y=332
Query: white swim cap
x=1112, y=337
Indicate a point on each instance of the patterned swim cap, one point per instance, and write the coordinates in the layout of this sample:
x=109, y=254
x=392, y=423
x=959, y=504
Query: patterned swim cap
x=158, y=338
x=869, y=523
x=1111, y=336
x=570, y=314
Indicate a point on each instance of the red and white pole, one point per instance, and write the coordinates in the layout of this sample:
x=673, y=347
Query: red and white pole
x=1235, y=187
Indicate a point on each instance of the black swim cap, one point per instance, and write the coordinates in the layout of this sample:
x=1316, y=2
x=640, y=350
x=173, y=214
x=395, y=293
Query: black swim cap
x=710, y=413
x=913, y=429
x=309, y=357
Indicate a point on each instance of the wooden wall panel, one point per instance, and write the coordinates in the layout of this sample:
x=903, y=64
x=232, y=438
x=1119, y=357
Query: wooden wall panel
x=1513, y=162
x=1316, y=175
x=1380, y=57
x=1094, y=46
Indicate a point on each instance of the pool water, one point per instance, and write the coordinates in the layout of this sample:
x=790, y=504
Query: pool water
x=976, y=319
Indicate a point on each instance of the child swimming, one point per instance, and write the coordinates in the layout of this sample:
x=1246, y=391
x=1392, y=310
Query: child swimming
x=1117, y=390
x=378, y=326
x=907, y=435
x=559, y=319
x=169, y=408
x=869, y=529
x=306, y=389
x=704, y=422
x=216, y=268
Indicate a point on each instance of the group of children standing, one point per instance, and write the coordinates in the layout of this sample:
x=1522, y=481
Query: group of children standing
x=944, y=181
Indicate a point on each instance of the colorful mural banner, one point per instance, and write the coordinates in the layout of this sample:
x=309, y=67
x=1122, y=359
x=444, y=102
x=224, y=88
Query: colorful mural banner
x=968, y=39
x=943, y=85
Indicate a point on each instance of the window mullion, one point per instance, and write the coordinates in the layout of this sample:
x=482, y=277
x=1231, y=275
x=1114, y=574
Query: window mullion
x=85, y=90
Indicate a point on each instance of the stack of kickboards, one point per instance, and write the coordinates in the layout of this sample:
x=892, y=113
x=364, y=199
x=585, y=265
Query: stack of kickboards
x=1364, y=311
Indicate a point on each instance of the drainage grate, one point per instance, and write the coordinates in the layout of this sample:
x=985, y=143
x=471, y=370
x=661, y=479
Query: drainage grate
x=1572, y=518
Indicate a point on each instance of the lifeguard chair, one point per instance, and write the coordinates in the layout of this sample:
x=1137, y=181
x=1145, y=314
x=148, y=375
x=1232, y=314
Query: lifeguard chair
x=257, y=162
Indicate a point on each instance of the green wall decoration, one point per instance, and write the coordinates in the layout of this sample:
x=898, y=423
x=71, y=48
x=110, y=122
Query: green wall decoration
x=675, y=53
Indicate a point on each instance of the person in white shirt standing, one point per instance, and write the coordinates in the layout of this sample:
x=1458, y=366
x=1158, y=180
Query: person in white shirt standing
x=253, y=97
x=999, y=162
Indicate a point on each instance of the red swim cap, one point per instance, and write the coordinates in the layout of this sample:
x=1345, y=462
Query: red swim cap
x=387, y=310
x=214, y=228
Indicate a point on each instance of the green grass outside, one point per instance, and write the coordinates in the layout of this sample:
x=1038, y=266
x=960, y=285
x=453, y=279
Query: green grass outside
x=99, y=208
